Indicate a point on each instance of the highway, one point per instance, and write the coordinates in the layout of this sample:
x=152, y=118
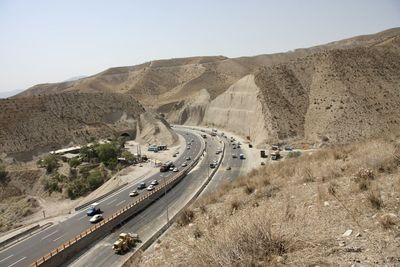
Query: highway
x=37, y=245
x=101, y=254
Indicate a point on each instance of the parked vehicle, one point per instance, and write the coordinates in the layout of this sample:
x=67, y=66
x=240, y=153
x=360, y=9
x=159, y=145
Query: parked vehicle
x=93, y=209
x=96, y=218
x=125, y=242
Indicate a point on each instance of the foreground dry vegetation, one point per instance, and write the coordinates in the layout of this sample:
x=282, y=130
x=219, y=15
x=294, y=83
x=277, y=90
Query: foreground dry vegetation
x=337, y=206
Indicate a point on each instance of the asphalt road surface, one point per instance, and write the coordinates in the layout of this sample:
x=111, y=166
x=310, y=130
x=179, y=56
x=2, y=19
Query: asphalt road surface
x=27, y=251
x=149, y=220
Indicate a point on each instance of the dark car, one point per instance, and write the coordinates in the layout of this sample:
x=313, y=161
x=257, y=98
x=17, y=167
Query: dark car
x=141, y=185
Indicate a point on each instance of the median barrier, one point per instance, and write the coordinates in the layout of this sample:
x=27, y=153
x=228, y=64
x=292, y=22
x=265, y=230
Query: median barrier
x=72, y=247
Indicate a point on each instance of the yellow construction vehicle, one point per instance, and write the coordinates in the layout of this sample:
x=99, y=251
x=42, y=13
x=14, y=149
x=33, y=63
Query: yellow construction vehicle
x=125, y=242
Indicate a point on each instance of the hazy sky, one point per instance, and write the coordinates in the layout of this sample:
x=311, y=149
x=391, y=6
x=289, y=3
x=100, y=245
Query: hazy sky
x=51, y=41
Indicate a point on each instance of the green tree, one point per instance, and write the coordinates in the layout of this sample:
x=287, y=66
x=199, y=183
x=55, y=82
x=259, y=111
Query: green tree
x=87, y=153
x=128, y=156
x=95, y=179
x=74, y=162
x=50, y=162
x=107, y=151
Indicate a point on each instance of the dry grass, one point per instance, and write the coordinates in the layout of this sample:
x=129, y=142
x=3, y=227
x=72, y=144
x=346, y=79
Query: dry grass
x=255, y=220
x=374, y=197
x=248, y=241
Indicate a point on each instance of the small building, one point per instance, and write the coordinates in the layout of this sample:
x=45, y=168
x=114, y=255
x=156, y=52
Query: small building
x=74, y=149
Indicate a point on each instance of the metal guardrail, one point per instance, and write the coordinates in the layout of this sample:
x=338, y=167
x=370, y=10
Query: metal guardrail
x=173, y=180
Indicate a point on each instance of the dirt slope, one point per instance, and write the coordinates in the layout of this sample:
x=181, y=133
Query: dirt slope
x=29, y=125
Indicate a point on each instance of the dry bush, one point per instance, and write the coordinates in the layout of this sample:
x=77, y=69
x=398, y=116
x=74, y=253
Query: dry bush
x=332, y=188
x=235, y=205
x=249, y=189
x=378, y=155
x=387, y=221
x=197, y=233
x=244, y=241
x=363, y=178
x=374, y=197
x=186, y=217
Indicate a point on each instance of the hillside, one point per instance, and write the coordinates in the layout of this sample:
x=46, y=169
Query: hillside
x=30, y=125
x=340, y=91
x=334, y=207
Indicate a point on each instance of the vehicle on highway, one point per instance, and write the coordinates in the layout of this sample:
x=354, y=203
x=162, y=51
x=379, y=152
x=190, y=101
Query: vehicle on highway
x=133, y=193
x=174, y=155
x=166, y=166
x=228, y=168
x=142, y=185
x=125, y=242
x=150, y=187
x=212, y=165
x=154, y=182
x=184, y=164
x=175, y=170
x=262, y=163
x=188, y=158
x=288, y=148
x=93, y=209
x=238, y=146
x=241, y=156
x=234, y=156
x=96, y=218
x=234, y=147
x=188, y=147
x=171, y=169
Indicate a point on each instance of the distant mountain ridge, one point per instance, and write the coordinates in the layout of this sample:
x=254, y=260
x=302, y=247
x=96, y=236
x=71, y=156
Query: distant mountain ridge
x=293, y=90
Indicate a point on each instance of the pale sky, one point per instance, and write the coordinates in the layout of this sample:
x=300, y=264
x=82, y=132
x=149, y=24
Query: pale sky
x=51, y=41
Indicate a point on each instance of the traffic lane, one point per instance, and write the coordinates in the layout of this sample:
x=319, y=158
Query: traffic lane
x=103, y=255
x=69, y=228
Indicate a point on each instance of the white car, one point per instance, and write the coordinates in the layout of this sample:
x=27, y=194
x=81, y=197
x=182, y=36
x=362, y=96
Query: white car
x=133, y=193
x=96, y=218
x=184, y=164
x=175, y=170
x=150, y=187
x=154, y=182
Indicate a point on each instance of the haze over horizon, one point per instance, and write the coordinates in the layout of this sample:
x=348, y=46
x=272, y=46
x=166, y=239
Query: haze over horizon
x=45, y=41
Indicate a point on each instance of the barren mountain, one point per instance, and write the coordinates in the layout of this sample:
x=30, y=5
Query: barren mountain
x=339, y=91
x=30, y=125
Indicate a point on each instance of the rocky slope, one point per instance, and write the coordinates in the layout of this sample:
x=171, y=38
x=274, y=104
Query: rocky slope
x=340, y=91
x=30, y=125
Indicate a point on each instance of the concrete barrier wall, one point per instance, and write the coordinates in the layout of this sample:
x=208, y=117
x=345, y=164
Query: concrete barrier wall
x=66, y=251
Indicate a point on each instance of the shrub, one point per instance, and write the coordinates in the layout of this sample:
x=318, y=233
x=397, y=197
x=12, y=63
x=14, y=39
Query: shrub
x=248, y=189
x=51, y=185
x=186, y=217
x=363, y=178
x=387, y=221
x=74, y=162
x=293, y=154
x=95, y=179
x=128, y=156
x=50, y=162
x=3, y=174
x=374, y=197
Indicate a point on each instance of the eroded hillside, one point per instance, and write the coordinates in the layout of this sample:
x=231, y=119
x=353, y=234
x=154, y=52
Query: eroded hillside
x=42, y=123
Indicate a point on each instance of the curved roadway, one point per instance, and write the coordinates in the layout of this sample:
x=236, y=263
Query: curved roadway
x=27, y=251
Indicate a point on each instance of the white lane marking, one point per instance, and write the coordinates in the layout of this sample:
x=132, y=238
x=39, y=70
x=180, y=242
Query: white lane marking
x=112, y=201
x=119, y=203
x=7, y=257
x=58, y=238
x=17, y=261
x=49, y=235
x=80, y=218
